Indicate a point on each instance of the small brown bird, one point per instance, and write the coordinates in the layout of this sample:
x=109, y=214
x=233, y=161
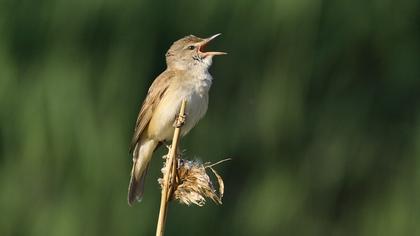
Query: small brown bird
x=186, y=77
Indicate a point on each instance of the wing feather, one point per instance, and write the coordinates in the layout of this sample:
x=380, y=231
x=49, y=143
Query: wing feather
x=154, y=96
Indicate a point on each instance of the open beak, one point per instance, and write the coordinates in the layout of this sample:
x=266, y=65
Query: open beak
x=203, y=44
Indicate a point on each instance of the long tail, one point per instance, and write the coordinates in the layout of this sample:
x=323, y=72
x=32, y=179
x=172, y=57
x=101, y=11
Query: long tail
x=141, y=157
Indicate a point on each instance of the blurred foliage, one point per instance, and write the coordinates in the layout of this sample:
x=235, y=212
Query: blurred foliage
x=317, y=103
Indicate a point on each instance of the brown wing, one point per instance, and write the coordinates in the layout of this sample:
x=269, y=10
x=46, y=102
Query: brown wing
x=154, y=95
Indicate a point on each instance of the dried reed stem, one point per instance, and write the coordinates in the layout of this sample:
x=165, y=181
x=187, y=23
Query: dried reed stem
x=170, y=171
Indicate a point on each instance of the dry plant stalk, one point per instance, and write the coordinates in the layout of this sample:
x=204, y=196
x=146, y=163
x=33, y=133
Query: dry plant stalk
x=170, y=160
x=184, y=180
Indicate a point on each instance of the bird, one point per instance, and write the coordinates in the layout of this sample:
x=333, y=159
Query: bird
x=186, y=78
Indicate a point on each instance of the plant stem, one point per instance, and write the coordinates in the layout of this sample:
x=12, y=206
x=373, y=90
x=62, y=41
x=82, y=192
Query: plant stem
x=169, y=171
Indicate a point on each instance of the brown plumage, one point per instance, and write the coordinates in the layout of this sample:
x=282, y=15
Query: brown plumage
x=186, y=77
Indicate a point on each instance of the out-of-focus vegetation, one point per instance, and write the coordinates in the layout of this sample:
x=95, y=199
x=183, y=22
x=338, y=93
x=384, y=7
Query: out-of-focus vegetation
x=317, y=103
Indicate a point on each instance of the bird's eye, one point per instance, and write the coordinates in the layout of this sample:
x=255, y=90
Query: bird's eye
x=191, y=47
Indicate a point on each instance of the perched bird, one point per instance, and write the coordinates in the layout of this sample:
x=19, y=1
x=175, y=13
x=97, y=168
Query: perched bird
x=186, y=77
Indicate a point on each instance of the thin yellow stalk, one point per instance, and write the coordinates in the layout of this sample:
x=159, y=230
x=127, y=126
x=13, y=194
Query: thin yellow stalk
x=170, y=171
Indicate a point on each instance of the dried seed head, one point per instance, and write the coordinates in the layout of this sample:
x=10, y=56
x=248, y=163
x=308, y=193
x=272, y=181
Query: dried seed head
x=193, y=185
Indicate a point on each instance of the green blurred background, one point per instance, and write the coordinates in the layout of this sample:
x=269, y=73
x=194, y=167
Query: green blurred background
x=317, y=103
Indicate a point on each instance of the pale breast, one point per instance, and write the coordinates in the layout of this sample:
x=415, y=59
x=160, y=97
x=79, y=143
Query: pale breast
x=195, y=91
x=197, y=104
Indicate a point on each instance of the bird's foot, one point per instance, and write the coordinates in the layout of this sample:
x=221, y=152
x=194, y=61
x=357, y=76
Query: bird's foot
x=179, y=120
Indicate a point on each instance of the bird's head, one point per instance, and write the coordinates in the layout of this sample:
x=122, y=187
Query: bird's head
x=188, y=53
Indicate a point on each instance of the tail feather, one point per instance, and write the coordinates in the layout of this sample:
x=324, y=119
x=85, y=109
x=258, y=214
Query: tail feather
x=141, y=157
x=136, y=186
